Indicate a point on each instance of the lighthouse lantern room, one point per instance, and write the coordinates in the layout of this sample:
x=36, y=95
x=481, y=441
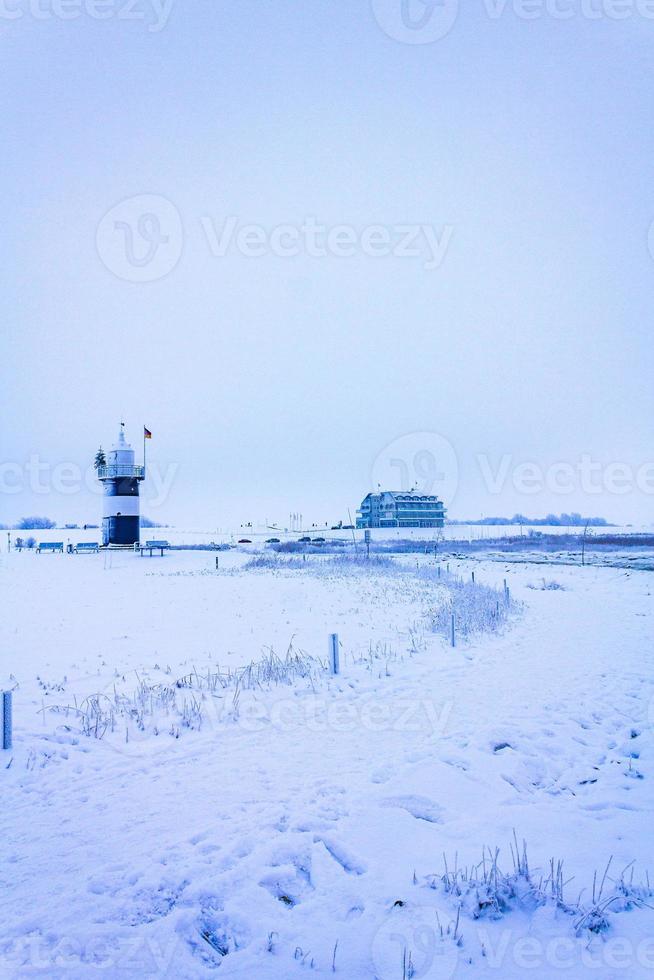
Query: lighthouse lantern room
x=121, y=479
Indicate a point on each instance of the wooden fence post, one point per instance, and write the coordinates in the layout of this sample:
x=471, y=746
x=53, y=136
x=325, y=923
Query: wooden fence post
x=453, y=629
x=5, y=718
x=334, y=658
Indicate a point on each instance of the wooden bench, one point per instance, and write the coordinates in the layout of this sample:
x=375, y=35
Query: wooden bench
x=50, y=546
x=151, y=546
x=86, y=548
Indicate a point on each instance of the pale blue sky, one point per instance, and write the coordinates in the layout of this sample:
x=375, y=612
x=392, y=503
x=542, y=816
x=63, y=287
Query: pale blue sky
x=274, y=383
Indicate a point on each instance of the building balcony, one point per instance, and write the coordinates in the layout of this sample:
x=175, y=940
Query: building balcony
x=121, y=472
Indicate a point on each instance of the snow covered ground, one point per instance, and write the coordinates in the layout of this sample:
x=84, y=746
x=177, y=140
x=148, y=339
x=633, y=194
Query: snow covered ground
x=260, y=533
x=301, y=828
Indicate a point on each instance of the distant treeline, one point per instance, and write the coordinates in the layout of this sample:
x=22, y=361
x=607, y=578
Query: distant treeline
x=552, y=520
x=30, y=524
x=45, y=524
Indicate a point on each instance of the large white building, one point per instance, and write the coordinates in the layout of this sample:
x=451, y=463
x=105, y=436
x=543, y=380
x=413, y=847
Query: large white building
x=398, y=508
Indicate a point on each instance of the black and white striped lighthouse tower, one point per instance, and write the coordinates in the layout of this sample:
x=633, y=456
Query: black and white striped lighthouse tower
x=121, y=478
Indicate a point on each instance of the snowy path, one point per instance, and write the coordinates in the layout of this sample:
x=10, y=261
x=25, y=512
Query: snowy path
x=304, y=834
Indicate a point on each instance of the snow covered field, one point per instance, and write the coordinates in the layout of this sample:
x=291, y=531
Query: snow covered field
x=301, y=827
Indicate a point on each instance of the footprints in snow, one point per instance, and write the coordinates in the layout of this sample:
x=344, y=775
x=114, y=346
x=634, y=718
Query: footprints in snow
x=420, y=807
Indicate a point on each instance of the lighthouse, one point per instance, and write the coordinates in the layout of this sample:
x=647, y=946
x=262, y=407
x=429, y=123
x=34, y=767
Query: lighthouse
x=121, y=478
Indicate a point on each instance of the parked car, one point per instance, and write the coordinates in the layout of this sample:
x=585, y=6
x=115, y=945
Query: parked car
x=305, y=540
x=245, y=541
x=318, y=541
x=273, y=541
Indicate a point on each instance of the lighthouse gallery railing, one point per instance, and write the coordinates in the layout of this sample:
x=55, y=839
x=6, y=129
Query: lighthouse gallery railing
x=122, y=471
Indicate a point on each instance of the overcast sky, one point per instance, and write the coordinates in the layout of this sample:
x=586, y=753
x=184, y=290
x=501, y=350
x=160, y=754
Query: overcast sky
x=448, y=279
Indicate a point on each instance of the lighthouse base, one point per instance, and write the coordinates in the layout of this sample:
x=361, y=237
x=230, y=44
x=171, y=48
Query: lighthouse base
x=122, y=530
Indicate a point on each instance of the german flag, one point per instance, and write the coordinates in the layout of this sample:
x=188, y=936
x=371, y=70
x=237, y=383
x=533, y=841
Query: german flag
x=146, y=433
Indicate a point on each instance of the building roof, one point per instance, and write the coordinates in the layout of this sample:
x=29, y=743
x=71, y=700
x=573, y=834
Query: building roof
x=404, y=495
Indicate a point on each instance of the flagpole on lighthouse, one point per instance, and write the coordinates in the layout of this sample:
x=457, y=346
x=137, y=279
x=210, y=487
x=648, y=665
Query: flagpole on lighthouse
x=146, y=435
